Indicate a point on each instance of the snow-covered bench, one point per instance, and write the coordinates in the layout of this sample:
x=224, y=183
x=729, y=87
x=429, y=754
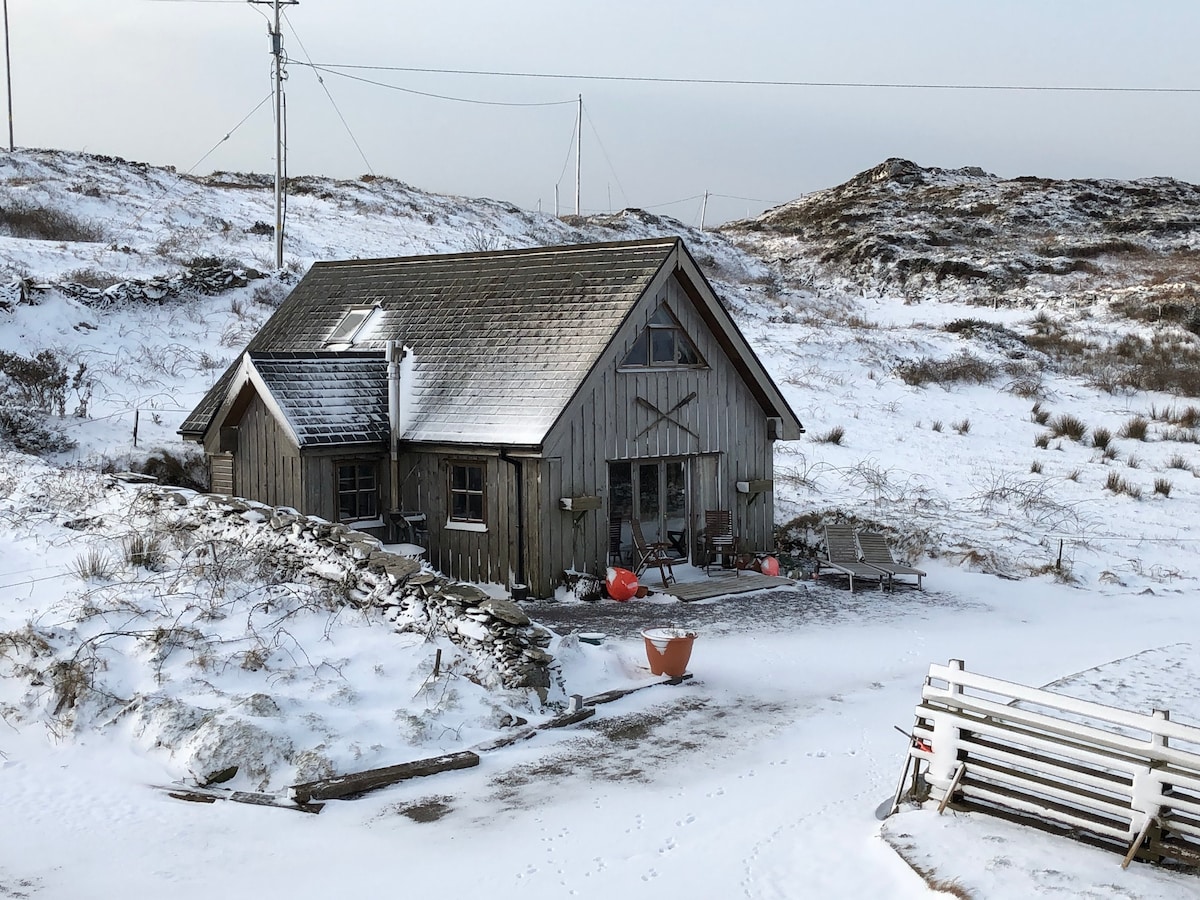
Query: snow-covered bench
x=1127, y=780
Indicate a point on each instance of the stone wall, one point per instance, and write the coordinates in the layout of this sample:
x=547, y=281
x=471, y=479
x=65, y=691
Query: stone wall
x=509, y=650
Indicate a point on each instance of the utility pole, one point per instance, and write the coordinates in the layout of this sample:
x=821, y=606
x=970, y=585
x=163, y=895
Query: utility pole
x=578, y=150
x=276, y=35
x=8, y=79
x=703, y=210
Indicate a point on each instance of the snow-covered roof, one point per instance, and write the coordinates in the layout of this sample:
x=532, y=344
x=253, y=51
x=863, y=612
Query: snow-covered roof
x=502, y=340
x=328, y=398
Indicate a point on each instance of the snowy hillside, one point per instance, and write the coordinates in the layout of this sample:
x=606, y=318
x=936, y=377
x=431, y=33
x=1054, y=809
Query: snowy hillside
x=1000, y=375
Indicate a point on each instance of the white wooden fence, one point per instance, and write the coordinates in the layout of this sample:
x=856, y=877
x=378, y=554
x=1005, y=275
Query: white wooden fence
x=1127, y=780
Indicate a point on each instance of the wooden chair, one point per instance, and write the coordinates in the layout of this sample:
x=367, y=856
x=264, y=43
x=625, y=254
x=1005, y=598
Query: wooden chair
x=615, y=525
x=651, y=554
x=719, y=538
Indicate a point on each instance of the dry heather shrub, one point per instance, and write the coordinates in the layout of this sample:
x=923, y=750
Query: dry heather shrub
x=1188, y=417
x=963, y=367
x=20, y=218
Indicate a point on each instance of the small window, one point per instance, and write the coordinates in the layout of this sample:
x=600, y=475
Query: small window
x=466, y=492
x=358, y=491
x=663, y=344
x=351, y=326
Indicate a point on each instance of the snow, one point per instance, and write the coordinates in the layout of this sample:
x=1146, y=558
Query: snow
x=757, y=778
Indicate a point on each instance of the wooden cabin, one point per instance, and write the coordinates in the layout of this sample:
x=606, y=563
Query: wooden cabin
x=518, y=408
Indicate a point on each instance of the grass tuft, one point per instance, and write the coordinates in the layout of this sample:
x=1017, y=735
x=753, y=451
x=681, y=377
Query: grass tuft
x=1068, y=426
x=1136, y=428
x=834, y=435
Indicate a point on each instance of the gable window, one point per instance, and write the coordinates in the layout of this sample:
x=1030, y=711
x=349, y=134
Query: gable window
x=663, y=343
x=351, y=327
x=466, y=492
x=358, y=491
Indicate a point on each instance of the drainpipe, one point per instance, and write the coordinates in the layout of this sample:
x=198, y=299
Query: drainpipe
x=519, y=474
x=394, y=354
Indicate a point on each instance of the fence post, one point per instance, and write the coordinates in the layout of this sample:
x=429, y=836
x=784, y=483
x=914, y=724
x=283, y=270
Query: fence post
x=958, y=665
x=1160, y=740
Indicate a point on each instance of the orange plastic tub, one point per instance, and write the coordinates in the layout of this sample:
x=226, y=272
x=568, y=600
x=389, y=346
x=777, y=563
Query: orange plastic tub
x=668, y=650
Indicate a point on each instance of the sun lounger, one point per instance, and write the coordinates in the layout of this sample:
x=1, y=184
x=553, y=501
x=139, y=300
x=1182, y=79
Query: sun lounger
x=842, y=556
x=875, y=552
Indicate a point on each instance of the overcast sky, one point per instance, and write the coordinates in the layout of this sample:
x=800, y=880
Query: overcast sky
x=162, y=81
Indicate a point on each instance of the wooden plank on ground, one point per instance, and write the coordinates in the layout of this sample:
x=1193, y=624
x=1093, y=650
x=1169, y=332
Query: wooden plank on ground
x=569, y=718
x=212, y=795
x=725, y=583
x=342, y=786
x=610, y=696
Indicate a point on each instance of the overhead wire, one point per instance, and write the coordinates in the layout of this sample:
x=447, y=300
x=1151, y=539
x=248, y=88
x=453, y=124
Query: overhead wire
x=567, y=161
x=179, y=180
x=764, y=82
x=396, y=87
x=611, y=168
x=325, y=87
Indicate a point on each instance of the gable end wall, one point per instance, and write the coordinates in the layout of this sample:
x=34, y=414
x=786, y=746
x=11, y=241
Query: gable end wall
x=605, y=422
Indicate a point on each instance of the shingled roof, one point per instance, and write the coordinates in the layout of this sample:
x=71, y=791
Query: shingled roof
x=328, y=399
x=500, y=341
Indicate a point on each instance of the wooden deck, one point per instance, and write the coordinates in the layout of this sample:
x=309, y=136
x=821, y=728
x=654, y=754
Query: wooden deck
x=725, y=583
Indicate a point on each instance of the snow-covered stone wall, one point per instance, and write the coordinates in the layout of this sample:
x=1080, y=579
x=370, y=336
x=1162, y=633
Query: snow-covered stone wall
x=496, y=633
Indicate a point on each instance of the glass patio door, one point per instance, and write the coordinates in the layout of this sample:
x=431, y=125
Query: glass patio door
x=655, y=493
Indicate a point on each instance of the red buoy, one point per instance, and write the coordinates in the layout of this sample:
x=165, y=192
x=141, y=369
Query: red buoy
x=621, y=583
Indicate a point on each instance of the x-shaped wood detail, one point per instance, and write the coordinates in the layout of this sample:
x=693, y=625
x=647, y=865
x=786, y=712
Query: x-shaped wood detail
x=667, y=415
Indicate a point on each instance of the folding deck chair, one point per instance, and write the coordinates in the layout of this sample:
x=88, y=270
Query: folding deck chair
x=842, y=556
x=651, y=554
x=875, y=552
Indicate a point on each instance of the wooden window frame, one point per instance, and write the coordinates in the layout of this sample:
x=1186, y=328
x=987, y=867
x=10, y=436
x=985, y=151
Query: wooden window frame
x=346, y=333
x=466, y=522
x=358, y=490
x=648, y=333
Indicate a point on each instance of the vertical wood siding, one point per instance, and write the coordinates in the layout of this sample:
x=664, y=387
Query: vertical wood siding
x=266, y=465
x=489, y=555
x=605, y=422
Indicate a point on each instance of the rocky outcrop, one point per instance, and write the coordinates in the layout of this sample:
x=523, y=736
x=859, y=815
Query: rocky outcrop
x=965, y=234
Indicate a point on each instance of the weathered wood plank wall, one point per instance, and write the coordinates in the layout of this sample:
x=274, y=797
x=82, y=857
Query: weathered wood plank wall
x=606, y=422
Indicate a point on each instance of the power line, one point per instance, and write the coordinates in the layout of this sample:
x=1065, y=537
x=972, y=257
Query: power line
x=325, y=88
x=611, y=168
x=179, y=180
x=756, y=82
x=396, y=87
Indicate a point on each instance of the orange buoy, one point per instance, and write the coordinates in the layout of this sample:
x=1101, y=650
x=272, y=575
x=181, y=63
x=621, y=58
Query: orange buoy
x=621, y=583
